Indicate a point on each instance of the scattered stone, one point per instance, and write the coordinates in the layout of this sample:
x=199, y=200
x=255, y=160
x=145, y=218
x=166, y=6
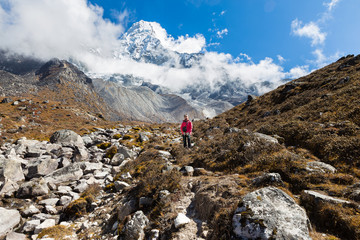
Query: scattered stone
x=145, y=202
x=64, y=201
x=16, y=236
x=119, y=185
x=268, y=179
x=42, y=167
x=45, y=224
x=81, y=187
x=250, y=99
x=266, y=138
x=30, y=226
x=6, y=100
x=64, y=190
x=89, y=167
x=126, y=152
x=33, y=188
x=154, y=234
x=71, y=172
x=117, y=159
x=31, y=210
x=49, y=201
x=163, y=194
x=11, y=169
x=67, y=138
x=9, y=219
x=134, y=229
x=270, y=213
x=126, y=209
x=181, y=220
x=316, y=197
x=320, y=167
x=187, y=170
x=143, y=137
x=9, y=188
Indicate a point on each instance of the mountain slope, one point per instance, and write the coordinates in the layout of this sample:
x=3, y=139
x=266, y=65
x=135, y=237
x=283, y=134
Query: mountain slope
x=141, y=103
x=316, y=121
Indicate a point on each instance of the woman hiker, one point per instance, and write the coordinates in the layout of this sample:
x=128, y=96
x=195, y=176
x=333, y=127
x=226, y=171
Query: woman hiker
x=186, y=128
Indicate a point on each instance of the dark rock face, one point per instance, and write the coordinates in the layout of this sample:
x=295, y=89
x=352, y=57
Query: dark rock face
x=55, y=70
x=17, y=64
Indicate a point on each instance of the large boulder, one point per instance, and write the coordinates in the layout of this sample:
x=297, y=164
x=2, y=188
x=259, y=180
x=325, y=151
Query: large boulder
x=270, y=213
x=9, y=219
x=72, y=172
x=67, y=138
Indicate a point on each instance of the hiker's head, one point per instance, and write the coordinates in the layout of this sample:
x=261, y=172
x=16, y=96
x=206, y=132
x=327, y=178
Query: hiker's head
x=186, y=117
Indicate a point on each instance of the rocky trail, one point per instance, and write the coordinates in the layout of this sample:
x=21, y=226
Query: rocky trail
x=139, y=183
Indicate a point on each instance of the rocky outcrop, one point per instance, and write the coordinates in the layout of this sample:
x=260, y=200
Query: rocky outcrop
x=270, y=213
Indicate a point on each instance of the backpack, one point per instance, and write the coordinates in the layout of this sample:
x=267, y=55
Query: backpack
x=184, y=128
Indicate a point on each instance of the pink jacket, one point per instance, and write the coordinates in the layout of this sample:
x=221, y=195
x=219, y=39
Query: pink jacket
x=188, y=125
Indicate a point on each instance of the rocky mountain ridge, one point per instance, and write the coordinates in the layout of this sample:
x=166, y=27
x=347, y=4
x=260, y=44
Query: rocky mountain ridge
x=63, y=82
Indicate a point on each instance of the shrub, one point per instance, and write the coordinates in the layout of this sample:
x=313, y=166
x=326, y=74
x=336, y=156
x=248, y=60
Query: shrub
x=104, y=145
x=82, y=205
x=111, y=152
x=127, y=137
x=57, y=232
x=117, y=136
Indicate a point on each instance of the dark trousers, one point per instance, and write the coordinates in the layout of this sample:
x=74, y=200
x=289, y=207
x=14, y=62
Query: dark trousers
x=186, y=139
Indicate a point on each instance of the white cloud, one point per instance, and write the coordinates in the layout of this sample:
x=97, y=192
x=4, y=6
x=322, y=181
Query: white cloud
x=220, y=34
x=280, y=58
x=222, y=13
x=55, y=28
x=322, y=60
x=183, y=44
x=332, y=4
x=310, y=30
x=298, y=71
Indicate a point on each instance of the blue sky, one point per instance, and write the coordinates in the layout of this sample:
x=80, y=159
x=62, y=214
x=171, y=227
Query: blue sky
x=244, y=41
x=261, y=28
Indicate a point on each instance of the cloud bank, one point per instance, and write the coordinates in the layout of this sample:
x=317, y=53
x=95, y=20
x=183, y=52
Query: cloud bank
x=69, y=29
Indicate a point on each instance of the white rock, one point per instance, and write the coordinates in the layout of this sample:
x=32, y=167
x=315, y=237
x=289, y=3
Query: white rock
x=9, y=188
x=16, y=236
x=119, y=185
x=51, y=209
x=324, y=198
x=9, y=218
x=181, y=220
x=31, y=210
x=49, y=201
x=134, y=229
x=270, y=212
x=30, y=226
x=46, y=224
x=317, y=166
x=65, y=200
x=267, y=138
